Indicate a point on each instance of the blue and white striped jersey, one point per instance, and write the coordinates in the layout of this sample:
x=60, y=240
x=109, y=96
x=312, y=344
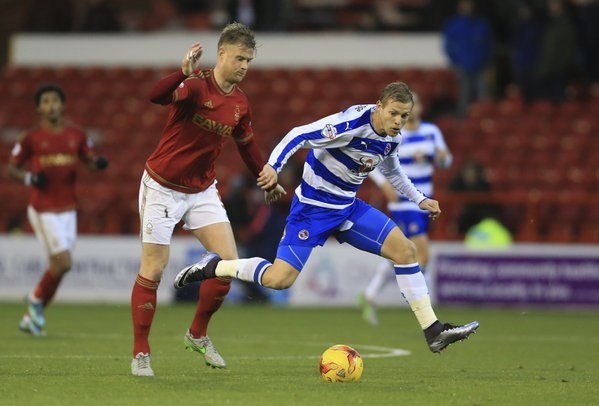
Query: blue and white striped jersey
x=425, y=140
x=345, y=148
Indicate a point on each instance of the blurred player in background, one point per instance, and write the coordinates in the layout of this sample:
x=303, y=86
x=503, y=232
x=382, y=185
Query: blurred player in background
x=422, y=148
x=51, y=151
x=345, y=147
x=206, y=108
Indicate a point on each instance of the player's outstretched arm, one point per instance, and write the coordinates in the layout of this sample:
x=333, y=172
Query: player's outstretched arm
x=432, y=206
x=191, y=60
x=162, y=92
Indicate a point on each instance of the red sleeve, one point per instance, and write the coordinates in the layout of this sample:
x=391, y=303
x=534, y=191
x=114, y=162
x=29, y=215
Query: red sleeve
x=162, y=92
x=21, y=152
x=252, y=156
x=247, y=146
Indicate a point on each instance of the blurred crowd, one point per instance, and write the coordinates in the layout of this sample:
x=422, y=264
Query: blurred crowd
x=542, y=45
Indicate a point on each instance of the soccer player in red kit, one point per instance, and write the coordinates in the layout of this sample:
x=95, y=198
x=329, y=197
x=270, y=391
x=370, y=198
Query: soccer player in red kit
x=206, y=108
x=52, y=151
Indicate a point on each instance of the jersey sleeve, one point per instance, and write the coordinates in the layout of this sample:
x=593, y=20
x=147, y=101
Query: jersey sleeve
x=188, y=90
x=377, y=177
x=247, y=146
x=22, y=151
x=163, y=91
x=392, y=170
x=324, y=133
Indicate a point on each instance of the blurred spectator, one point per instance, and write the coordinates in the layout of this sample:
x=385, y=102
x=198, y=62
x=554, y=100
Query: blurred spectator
x=242, y=11
x=467, y=42
x=100, y=16
x=471, y=178
x=488, y=234
x=525, y=44
x=557, y=52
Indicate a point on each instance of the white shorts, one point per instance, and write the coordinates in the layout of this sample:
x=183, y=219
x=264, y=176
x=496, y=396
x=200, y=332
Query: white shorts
x=161, y=208
x=56, y=231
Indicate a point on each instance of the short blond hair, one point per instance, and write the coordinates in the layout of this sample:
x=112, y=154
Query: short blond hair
x=237, y=33
x=397, y=91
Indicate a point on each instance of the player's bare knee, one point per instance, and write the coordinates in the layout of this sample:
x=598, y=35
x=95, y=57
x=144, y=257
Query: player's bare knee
x=60, y=264
x=405, y=253
x=152, y=271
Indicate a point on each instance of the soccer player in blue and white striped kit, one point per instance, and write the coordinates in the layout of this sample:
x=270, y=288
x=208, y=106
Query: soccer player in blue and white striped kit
x=345, y=147
x=422, y=149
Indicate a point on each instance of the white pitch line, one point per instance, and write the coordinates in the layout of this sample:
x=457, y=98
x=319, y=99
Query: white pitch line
x=386, y=352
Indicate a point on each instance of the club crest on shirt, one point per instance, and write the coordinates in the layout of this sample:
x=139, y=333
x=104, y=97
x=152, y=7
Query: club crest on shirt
x=329, y=131
x=387, y=149
x=367, y=164
x=237, y=113
x=303, y=234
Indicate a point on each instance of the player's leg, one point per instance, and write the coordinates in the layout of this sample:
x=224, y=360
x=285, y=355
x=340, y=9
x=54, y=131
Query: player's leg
x=421, y=243
x=384, y=273
x=412, y=284
x=307, y=226
x=278, y=275
x=56, y=232
x=374, y=232
x=216, y=238
x=159, y=213
x=154, y=258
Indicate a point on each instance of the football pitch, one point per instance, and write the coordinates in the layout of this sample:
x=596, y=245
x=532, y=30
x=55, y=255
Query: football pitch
x=518, y=357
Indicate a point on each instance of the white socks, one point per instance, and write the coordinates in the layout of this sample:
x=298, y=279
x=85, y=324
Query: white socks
x=413, y=287
x=249, y=270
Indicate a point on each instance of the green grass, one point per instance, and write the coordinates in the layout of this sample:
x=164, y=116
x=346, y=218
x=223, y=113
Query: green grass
x=517, y=358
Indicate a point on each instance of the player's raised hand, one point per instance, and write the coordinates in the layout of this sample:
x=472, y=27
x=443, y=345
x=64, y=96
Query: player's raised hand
x=267, y=178
x=274, y=194
x=432, y=206
x=191, y=60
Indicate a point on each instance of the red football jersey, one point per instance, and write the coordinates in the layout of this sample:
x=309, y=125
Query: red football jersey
x=57, y=155
x=201, y=118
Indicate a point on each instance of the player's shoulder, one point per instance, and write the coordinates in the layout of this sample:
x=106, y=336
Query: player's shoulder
x=31, y=132
x=356, y=110
x=198, y=77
